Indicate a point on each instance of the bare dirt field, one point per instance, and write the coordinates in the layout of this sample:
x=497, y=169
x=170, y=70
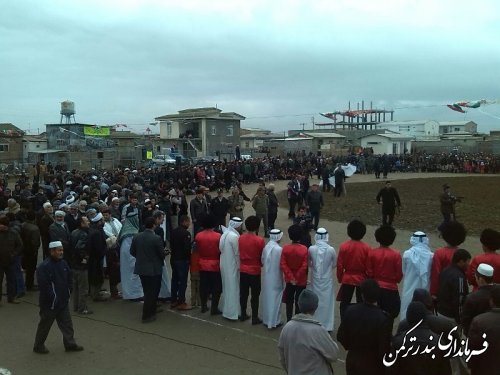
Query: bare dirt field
x=479, y=209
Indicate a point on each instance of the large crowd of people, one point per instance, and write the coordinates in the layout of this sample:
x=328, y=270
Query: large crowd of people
x=125, y=224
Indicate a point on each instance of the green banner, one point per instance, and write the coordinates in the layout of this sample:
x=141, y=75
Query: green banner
x=149, y=155
x=96, y=131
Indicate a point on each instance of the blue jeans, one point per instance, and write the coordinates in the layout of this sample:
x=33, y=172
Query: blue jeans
x=180, y=271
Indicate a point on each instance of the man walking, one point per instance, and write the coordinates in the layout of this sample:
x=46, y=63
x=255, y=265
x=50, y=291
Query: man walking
x=314, y=203
x=147, y=248
x=55, y=283
x=388, y=197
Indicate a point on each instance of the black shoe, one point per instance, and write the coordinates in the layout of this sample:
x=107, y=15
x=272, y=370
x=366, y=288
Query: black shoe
x=242, y=318
x=216, y=312
x=41, y=350
x=204, y=309
x=256, y=321
x=74, y=348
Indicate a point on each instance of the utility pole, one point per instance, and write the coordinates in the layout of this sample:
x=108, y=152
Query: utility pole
x=303, y=125
x=312, y=120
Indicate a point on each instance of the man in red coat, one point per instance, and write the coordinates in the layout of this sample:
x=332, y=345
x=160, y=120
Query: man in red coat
x=490, y=239
x=454, y=234
x=207, y=245
x=384, y=265
x=351, y=264
x=250, y=246
x=293, y=264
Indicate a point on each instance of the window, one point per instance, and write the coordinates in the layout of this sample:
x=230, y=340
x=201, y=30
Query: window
x=169, y=129
x=230, y=130
x=61, y=142
x=247, y=144
x=394, y=148
x=372, y=143
x=457, y=129
x=214, y=131
x=4, y=148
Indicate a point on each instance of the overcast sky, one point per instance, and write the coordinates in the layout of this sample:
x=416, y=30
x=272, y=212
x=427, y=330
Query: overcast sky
x=278, y=63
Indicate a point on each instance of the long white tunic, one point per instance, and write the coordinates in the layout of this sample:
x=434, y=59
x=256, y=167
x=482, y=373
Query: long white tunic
x=322, y=260
x=165, y=291
x=131, y=283
x=230, y=273
x=272, y=285
x=416, y=272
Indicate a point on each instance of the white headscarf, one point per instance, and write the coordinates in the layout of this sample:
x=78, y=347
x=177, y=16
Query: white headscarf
x=275, y=235
x=234, y=223
x=321, y=235
x=420, y=251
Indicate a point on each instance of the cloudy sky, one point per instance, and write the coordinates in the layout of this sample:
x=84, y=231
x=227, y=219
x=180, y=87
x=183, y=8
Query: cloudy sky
x=277, y=62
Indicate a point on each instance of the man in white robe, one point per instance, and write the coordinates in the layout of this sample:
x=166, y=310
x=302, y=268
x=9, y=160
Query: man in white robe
x=272, y=281
x=230, y=268
x=417, y=262
x=131, y=283
x=322, y=261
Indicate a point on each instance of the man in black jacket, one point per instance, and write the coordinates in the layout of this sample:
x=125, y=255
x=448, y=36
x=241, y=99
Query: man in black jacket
x=198, y=208
x=55, y=283
x=478, y=302
x=388, y=197
x=147, y=248
x=314, y=202
x=181, y=244
x=58, y=230
x=365, y=332
x=219, y=206
x=30, y=234
x=97, y=250
x=453, y=286
x=79, y=264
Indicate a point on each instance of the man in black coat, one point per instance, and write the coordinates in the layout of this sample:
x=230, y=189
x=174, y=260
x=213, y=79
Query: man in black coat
x=365, y=332
x=198, y=208
x=181, y=244
x=388, y=197
x=453, y=286
x=44, y=223
x=55, y=283
x=219, y=206
x=97, y=251
x=478, y=302
x=147, y=248
x=30, y=234
x=58, y=231
x=486, y=324
x=339, y=176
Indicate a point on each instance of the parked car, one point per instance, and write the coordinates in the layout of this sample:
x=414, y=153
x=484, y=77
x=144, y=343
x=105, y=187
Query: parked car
x=163, y=159
x=246, y=157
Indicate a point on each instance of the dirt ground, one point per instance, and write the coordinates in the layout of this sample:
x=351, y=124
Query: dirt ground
x=479, y=208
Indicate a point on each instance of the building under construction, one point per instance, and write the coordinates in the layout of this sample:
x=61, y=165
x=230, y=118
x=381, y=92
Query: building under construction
x=360, y=118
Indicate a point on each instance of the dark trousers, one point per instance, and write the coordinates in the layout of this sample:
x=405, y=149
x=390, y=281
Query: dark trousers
x=249, y=283
x=315, y=217
x=210, y=283
x=387, y=216
x=113, y=263
x=292, y=293
x=339, y=188
x=390, y=302
x=10, y=275
x=271, y=217
x=180, y=270
x=264, y=219
x=63, y=319
x=446, y=219
x=326, y=185
x=29, y=265
x=345, y=293
x=292, y=202
x=151, y=287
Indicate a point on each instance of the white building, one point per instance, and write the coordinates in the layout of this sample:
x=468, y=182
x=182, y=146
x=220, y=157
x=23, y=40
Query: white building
x=419, y=129
x=34, y=146
x=387, y=143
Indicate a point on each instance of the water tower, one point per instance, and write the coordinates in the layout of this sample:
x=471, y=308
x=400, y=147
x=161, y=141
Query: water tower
x=68, y=111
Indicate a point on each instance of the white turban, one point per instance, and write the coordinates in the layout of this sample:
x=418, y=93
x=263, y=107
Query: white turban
x=275, y=235
x=235, y=222
x=321, y=235
x=70, y=199
x=55, y=244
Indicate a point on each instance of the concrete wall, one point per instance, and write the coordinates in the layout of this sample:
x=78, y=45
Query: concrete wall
x=14, y=155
